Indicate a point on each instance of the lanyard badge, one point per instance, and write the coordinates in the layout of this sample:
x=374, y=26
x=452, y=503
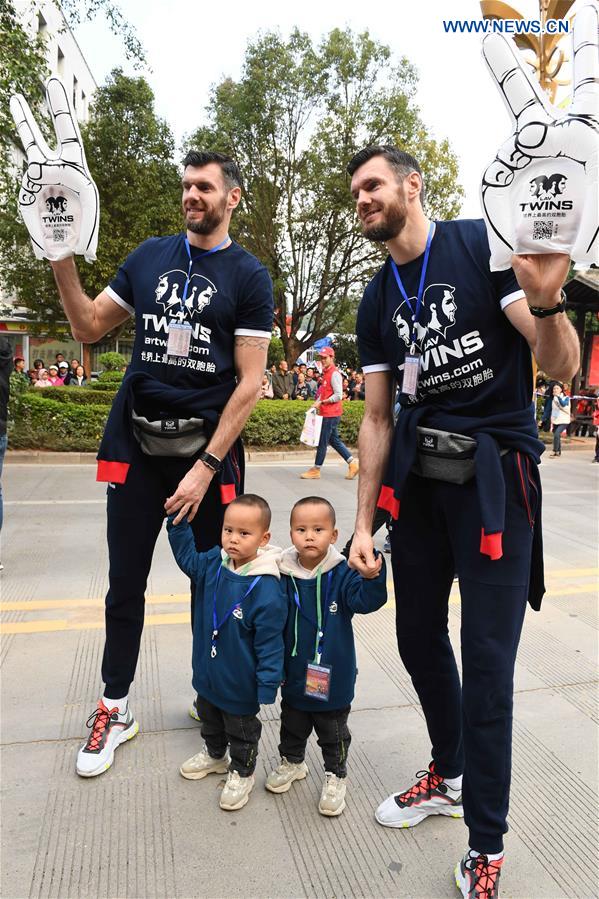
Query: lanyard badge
x=218, y=625
x=179, y=333
x=412, y=360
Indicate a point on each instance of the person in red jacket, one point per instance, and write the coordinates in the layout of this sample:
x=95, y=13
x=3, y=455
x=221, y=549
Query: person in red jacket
x=328, y=403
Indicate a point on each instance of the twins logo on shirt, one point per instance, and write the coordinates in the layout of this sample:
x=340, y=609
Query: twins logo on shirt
x=437, y=316
x=170, y=290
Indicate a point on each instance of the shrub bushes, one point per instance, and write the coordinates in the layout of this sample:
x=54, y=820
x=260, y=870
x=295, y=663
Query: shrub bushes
x=47, y=423
x=112, y=361
x=109, y=377
x=280, y=422
x=77, y=395
x=73, y=418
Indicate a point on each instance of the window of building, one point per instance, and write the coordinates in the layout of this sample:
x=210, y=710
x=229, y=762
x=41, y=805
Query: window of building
x=75, y=86
x=60, y=63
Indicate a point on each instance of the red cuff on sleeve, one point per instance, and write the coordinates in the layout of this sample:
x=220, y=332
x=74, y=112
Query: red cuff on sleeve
x=490, y=545
x=114, y=472
x=227, y=493
x=388, y=501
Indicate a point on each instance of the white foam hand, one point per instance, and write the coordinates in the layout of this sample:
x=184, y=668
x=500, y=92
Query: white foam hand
x=58, y=199
x=541, y=192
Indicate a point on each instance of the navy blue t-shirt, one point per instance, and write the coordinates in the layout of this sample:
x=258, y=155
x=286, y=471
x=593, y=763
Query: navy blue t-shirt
x=229, y=295
x=474, y=362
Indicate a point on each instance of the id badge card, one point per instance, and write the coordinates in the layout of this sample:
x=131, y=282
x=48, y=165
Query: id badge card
x=179, y=339
x=411, y=370
x=318, y=681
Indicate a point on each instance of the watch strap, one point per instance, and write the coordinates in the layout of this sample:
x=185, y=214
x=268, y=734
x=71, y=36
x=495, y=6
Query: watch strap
x=541, y=312
x=211, y=461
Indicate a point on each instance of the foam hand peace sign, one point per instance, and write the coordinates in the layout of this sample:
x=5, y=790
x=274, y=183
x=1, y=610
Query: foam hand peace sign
x=58, y=199
x=540, y=193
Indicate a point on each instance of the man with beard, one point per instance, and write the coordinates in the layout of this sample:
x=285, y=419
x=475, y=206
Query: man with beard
x=171, y=444
x=471, y=509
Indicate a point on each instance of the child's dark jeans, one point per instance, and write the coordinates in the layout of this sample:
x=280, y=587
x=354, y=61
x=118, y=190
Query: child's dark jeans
x=240, y=732
x=331, y=730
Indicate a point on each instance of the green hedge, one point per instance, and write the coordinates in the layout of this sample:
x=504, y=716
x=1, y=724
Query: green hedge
x=67, y=419
x=76, y=395
x=280, y=422
x=109, y=377
x=50, y=424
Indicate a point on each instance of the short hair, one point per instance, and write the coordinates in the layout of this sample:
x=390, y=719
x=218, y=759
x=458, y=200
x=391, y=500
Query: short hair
x=401, y=162
x=229, y=168
x=314, y=501
x=252, y=500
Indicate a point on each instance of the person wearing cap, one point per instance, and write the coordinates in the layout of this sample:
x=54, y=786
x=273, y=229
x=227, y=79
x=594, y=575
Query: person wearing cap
x=63, y=372
x=54, y=378
x=328, y=404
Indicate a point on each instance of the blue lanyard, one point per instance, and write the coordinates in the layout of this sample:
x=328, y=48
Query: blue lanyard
x=322, y=610
x=402, y=290
x=192, y=260
x=218, y=625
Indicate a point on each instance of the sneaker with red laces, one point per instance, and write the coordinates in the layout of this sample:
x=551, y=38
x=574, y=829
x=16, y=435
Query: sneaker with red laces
x=430, y=795
x=109, y=728
x=478, y=878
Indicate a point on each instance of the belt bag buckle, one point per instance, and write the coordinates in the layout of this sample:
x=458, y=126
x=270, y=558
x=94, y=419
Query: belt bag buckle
x=178, y=437
x=444, y=456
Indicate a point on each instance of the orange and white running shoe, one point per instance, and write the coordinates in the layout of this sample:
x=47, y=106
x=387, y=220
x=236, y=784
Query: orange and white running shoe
x=477, y=877
x=430, y=795
x=109, y=729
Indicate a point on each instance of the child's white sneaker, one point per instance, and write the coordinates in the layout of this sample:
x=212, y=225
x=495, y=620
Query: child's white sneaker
x=280, y=780
x=332, y=797
x=202, y=764
x=236, y=791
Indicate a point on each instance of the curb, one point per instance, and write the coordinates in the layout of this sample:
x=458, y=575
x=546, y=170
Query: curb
x=42, y=457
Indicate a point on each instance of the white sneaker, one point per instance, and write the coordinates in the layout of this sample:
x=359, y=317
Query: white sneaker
x=202, y=764
x=430, y=795
x=108, y=730
x=332, y=796
x=280, y=780
x=236, y=791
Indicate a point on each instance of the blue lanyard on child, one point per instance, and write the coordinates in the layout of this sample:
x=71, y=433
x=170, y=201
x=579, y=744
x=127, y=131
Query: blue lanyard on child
x=320, y=623
x=402, y=290
x=218, y=625
x=200, y=256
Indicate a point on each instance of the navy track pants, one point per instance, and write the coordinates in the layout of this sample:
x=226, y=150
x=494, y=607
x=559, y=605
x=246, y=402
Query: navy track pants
x=135, y=515
x=437, y=535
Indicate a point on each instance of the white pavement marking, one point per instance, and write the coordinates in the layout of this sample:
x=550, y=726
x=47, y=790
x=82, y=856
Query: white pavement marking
x=56, y=502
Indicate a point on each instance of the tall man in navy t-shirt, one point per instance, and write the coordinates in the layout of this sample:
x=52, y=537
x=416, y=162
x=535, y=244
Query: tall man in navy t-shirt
x=457, y=339
x=203, y=310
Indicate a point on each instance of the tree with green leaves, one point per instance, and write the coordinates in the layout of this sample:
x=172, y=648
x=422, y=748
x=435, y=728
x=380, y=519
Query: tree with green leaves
x=294, y=119
x=130, y=151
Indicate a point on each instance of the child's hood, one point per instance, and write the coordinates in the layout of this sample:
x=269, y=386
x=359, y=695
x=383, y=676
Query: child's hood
x=289, y=563
x=266, y=562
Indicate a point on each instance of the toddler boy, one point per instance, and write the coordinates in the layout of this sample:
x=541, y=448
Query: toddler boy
x=323, y=593
x=239, y=617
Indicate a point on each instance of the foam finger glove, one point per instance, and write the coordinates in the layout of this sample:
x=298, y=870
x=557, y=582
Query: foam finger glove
x=541, y=192
x=58, y=199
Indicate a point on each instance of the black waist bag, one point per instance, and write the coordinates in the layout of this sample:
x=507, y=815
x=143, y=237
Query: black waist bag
x=181, y=437
x=444, y=456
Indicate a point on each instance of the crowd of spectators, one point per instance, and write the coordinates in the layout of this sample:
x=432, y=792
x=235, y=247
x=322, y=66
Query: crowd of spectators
x=56, y=374
x=302, y=381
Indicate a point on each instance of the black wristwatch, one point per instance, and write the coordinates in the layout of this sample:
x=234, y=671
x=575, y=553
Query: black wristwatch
x=211, y=461
x=540, y=312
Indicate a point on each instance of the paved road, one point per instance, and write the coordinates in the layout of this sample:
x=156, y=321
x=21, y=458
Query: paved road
x=140, y=830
